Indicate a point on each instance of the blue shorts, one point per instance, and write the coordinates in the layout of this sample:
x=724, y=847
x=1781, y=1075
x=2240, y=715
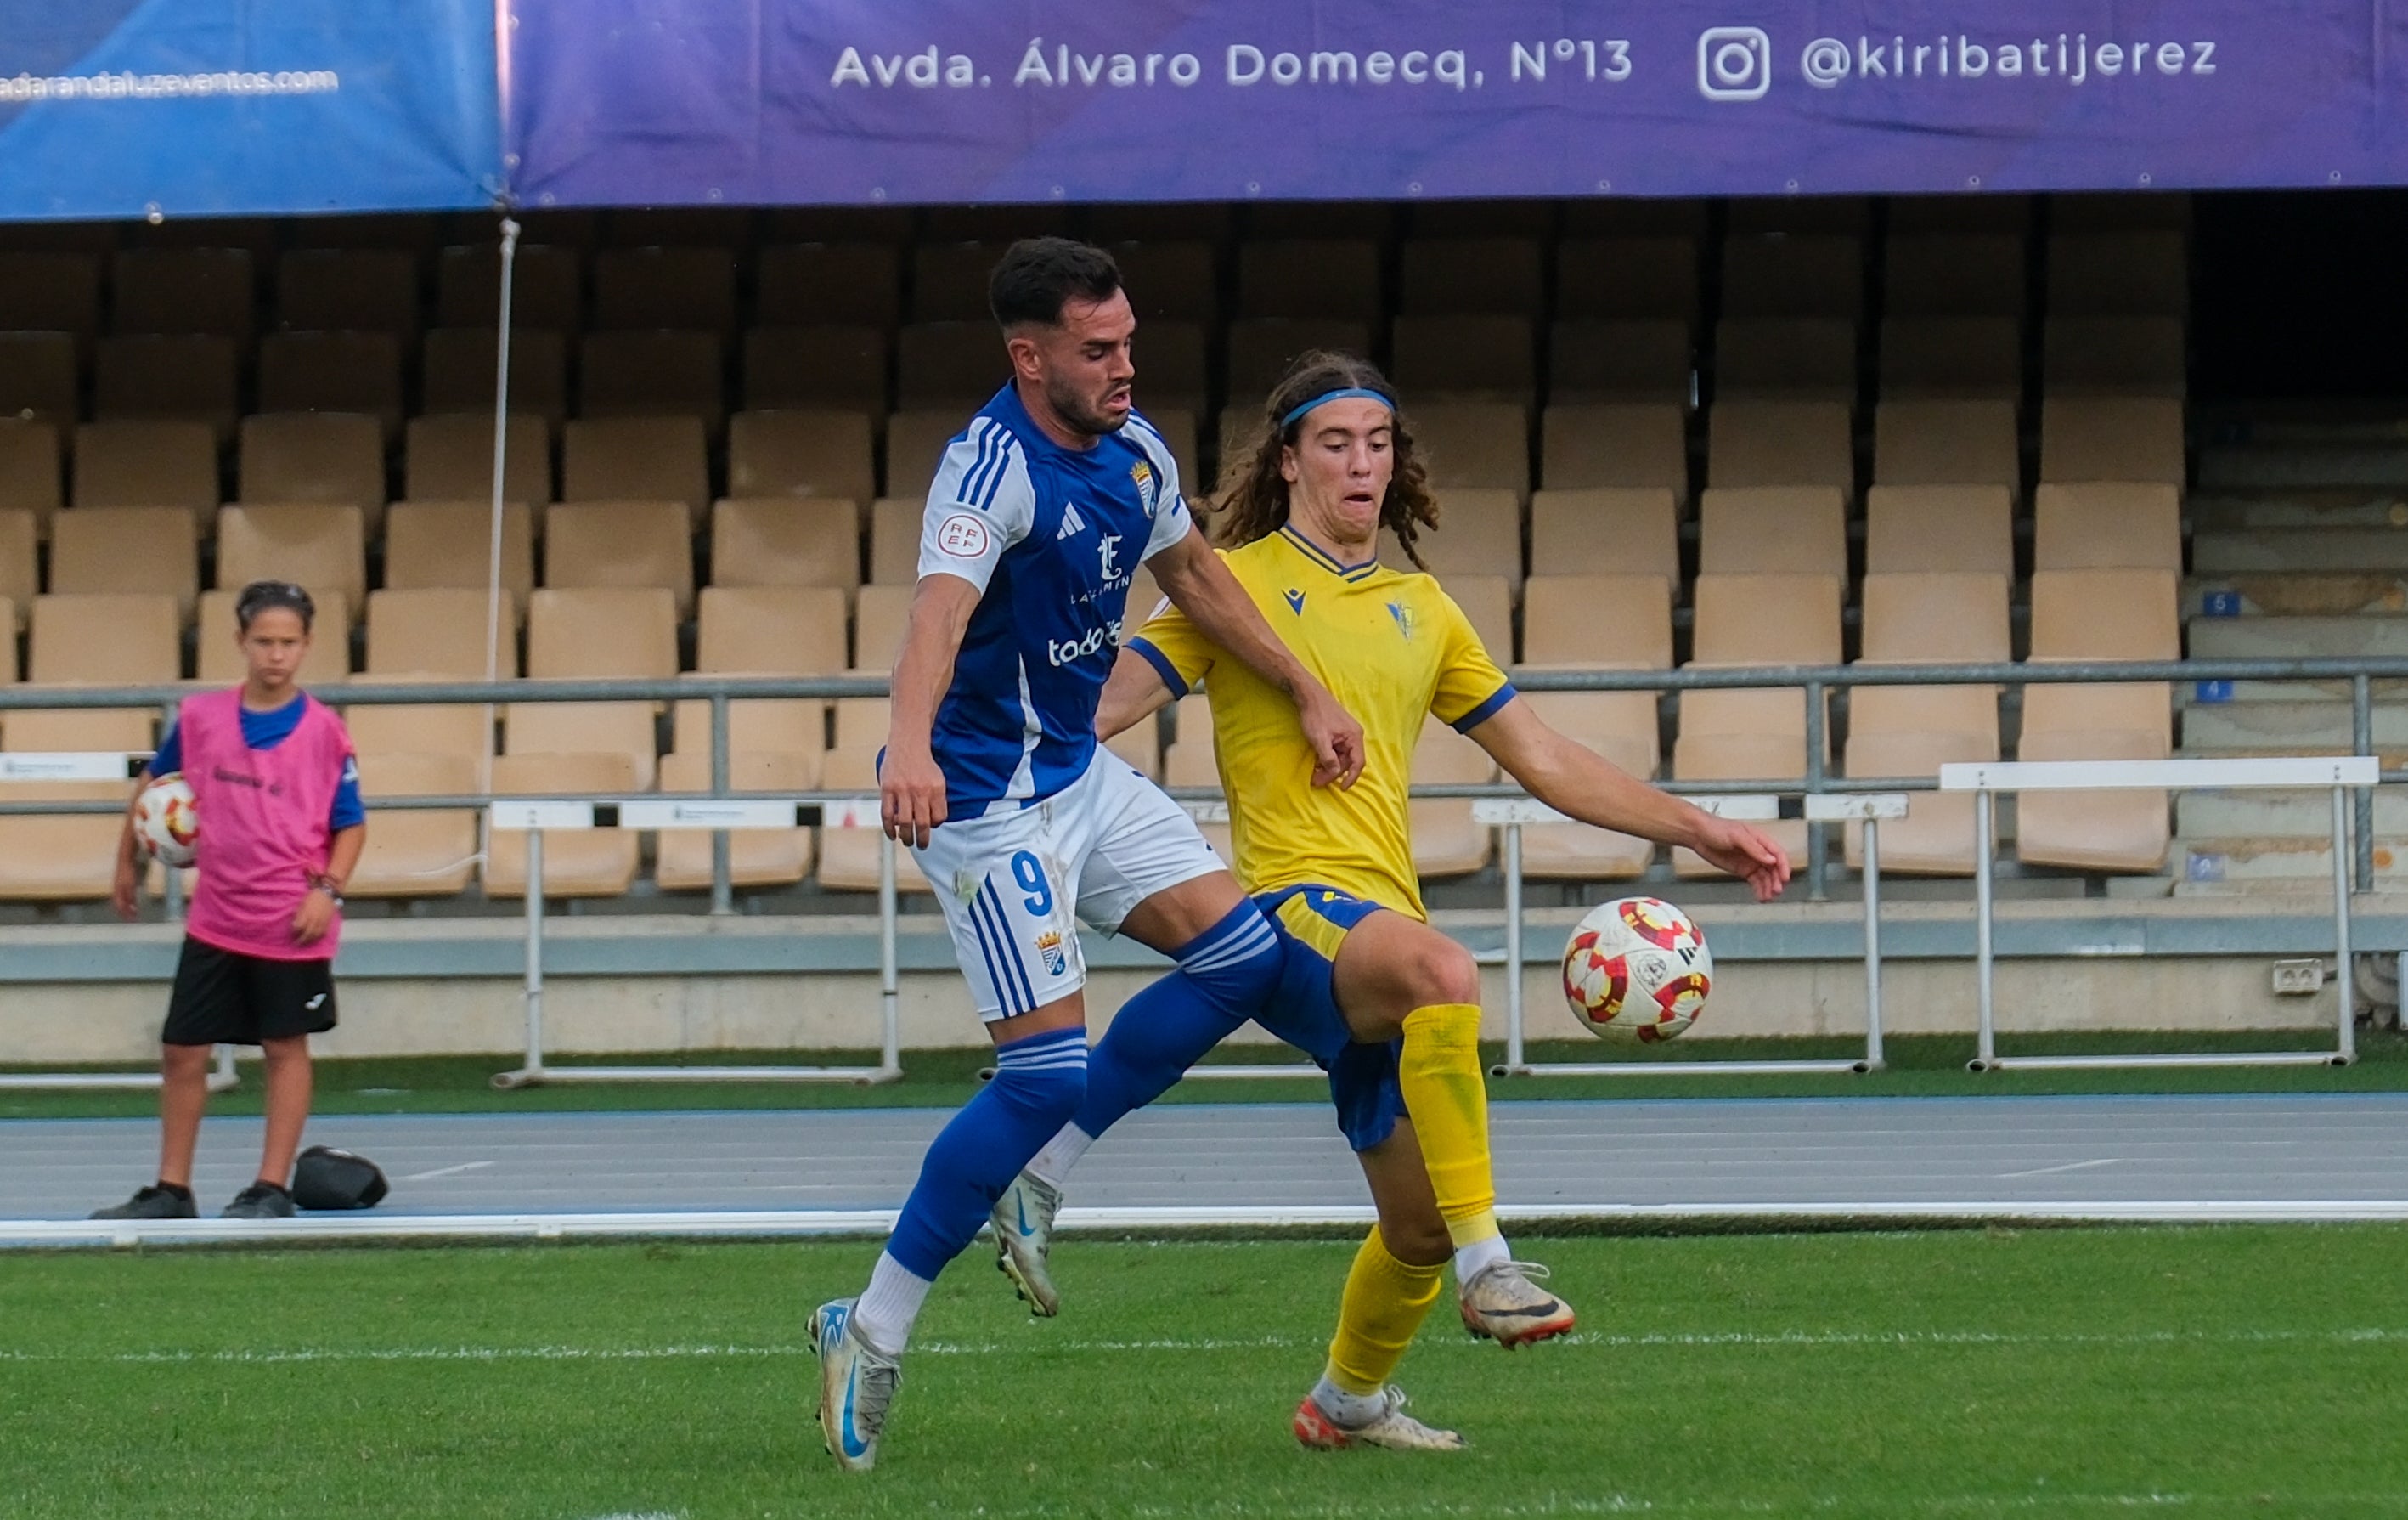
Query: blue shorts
x=1312, y=921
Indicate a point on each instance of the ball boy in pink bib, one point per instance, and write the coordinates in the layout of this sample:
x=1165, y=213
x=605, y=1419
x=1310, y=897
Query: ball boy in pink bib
x=278, y=796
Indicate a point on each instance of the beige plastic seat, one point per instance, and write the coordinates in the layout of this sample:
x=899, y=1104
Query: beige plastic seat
x=148, y=464
x=430, y=544
x=596, y=631
x=1780, y=443
x=756, y=857
x=68, y=858
x=1447, y=843
x=1911, y=731
x=1946, y=443
x=20, y=579
x=1173, y=368
x=372, y=290
x=115, y=639
x=915, y=445
x=2144, y=272
x=1628, y=278
x=332, y=458
x=956, y=365
x=1606, y=530
x=759, y=726
x=546, y=287
x=457, y=365
x=895, y=524
x=1621, y=621
x=184, y=290
x=1189, y=761
x=849, y=856
x=219, y=661
x=765, y=631
x=39, y=377
x=435, y=631
x=653, y=372
x=638, y=459
x=861, y=722
x=1310, y=277
x=30, y=476
x=1939, y=527
x=785, y=542
x=333, y=372
x=1486, y=276
x=2099, y=615
x=1766, y=619
x=1468, y=357
x=1809, y=275
x=1483, y=219
x=1641, y=361
x=638, y=288
x=949, y=282
x=1621, y=727
x=727, y=227
x=2111, y=439
x=1488, y=603
x=1934, y=618
x=464, y=731
x=1986, y=212
x=1754, y=734
x=620, y=543
x=1773, y=529
x=2107, y=528
x=184, y=376
x=2112, y=614
x=842, y=367
x=1615, y=445
x=126, y=550
x=829, y=284
x=1261, y=349
x=451, y=458
x=1953, y=274
x=1974, y=357
x=412, y=853
x=1170, y=279
x=1479, y=533
x=577, y=863
x=1142, y=747
x=880, y=615
x=44, y=292
x=1807, y=358
x=1177, y=429
x=2115, y=356
x=1474, y=443
x=322, y=548
x=801, y=453
x=886, y=226
x=1743, y=735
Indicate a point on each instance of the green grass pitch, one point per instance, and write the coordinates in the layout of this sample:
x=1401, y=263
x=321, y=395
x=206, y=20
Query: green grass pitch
x=2196, y=1373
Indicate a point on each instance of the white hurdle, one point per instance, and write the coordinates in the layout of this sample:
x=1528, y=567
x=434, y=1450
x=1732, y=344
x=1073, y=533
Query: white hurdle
x=1986, y=779
x=683, y=813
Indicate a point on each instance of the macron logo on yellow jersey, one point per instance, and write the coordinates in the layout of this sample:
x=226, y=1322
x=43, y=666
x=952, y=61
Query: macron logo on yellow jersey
x=1294, y=600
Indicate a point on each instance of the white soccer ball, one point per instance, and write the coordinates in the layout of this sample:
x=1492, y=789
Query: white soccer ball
x=167, y=821
x=1636, y=970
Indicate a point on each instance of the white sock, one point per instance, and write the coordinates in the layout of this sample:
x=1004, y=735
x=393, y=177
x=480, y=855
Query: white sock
x=1473, y=1259
x=889, y=1305
x=1352, y=1410
x=1052, y=1166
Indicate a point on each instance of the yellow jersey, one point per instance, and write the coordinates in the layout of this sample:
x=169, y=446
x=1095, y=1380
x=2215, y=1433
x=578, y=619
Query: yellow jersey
x=1395, y=649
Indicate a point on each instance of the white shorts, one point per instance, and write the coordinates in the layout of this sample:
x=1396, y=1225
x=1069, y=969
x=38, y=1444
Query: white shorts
x=1015, y=885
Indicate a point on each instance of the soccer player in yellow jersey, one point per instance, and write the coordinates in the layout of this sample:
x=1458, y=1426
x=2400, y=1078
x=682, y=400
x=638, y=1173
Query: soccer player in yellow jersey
x=1389, y=1005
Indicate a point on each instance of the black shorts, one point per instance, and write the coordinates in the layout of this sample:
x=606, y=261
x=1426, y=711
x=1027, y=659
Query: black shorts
x=226, y=998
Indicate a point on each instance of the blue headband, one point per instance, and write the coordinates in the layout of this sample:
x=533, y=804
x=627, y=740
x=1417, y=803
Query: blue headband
x=1356, y=394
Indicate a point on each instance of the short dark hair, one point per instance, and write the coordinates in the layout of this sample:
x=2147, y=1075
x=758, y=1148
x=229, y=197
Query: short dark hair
x=260, y=595
x=1039, y=276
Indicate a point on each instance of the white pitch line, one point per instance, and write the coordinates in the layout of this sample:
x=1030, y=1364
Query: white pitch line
x=443, y=1172
x=2071, y=1166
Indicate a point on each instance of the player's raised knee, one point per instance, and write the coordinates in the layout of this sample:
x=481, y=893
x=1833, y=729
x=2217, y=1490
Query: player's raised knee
x=1443, y=971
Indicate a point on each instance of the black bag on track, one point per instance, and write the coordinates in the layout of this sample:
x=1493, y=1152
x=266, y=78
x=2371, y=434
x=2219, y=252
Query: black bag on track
x=326, y=1178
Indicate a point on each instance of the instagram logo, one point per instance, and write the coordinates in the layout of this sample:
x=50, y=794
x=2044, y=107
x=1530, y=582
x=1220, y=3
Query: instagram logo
x=1734, y=63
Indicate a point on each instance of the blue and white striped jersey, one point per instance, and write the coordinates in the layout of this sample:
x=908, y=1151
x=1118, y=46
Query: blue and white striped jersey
x=1052, y=536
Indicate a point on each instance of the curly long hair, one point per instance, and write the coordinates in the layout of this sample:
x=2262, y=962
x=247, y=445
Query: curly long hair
x=1257, y=505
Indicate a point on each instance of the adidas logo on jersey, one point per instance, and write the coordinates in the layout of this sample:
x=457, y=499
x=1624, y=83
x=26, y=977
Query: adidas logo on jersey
x=1072, y=524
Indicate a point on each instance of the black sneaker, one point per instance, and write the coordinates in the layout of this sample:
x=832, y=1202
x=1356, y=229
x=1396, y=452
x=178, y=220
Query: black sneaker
x=260, y=1201
x=152, y=1202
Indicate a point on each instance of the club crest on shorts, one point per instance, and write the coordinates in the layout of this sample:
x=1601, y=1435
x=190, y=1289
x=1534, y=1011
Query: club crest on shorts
x=1143, y=473
x=1049, y=950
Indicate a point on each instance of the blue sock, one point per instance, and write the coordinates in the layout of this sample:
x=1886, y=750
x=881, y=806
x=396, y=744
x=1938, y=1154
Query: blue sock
x=1037, y=1085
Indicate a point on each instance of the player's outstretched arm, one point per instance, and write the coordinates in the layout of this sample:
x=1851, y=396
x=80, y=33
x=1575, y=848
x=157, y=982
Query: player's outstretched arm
x=1134, y=693
x=1579, y=782
x=911, y=787
x=1199, y=585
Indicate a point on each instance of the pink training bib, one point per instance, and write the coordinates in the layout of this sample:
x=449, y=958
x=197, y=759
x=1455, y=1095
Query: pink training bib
x=262, y=824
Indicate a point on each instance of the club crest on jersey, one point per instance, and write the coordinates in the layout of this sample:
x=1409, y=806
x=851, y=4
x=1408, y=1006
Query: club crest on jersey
x=1108, y=546
x=1404, y=616
x=1294, y=600
x=1143, y=473
x=1049, y=949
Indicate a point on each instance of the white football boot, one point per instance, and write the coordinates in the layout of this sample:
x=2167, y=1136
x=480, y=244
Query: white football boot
x=1503, y=1303
x=856, y=1386
x=1391, y=1429
x=1024, y=1233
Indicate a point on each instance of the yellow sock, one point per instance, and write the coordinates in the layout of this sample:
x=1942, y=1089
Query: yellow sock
x=1385, y=1304
x=1448, y=1098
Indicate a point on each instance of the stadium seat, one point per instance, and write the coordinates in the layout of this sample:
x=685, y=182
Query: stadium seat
x=221, y=662
x=895, y=524
x=1911, y=731
x=756, y=857
x=1447, y=843
x=410, y=852
x=2099, y=615
x=801, y=453
x=1912, y=529
x=1172, y=368
x=1483, y=219
x=1806, y=275
x=547, y=288
x=641, y=287
x=949, y=282
x=1619, y=620
x=722, y=227
x=2111, y=439
x=466, y=730
x=886, y=226
x=638, y=459
x=1177, y=426
x=1983, y=212
x=1946, y=443
x=1606, y=530
x=955, y=364
x=1192, y=222
x=620, y=543
x=1474, y=443
x=51, y=292
x=148, y=464
x=1142, y=747
x=2141, y=273
x=1617, y=445
x=1465, y=357
x=1168, y=280
x=915, y=445
x=1371, y=221
x=1261, y=349
x=594, y=632
x=861, y=722
x=433, y=631
x=880, y=614
x=458, y=372
x=451, y=458
x=1322, y=277
x=1773, y=529
x=1954, y=275
x=829, y=284
x=20, y=579
x=1620, y=361
x=1486, y=276
x=1766, y=619
x=1478, y=531
x=2115, y=356
x=757, y=724
x=776, y=541
x=369, y=290
x=577, y=863
x=321, y=548
x=70, y=859
x=1487, y=602
x=1621, y=727
x=1189, y=761
x=409, y=232
x=2107, y=528
x=1780, y=443
x=1643, y=278
x=653, y=372
x=126, y=550
x=101, y=639
x=766, y=631
x=433, y=545
x=333, y=372
x=29, y=470
x=184, y=290
x=181, y=377
x=2121, y=211
x=1754, y=734
x=1822, y=216
x=1743, y=735
x=1806, y=358
x=849, y=856
x=1934, y=618
x=39, y=377
x=1940, y=357
x=842, y=367
x=326, y=457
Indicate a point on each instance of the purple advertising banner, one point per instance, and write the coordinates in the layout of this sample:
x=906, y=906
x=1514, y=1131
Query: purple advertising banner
x=668, y=102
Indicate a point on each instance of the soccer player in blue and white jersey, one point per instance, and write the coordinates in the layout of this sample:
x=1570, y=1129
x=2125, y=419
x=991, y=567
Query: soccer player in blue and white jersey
x=1039, y=515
